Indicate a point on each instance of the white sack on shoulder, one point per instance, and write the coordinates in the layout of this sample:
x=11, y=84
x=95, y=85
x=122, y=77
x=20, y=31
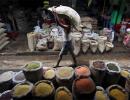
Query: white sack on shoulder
x=71, y=13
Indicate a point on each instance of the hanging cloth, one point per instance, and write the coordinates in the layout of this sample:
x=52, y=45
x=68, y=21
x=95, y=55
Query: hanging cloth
x=117, y=14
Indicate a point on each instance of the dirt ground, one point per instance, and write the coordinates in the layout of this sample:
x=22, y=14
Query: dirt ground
x=17, y=54
x=17, y=62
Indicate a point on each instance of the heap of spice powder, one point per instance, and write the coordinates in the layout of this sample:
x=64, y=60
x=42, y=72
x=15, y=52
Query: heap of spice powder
x=21, y=90
x=118, y=94
x=43, y=89
x=125, y=73
x=33, y=65
x=112, y=67
x=49, y=74
x=63, y=95
x=100, y=95
x=82, y=71
x=6, y=76
x=99, y=64
x=65, y=72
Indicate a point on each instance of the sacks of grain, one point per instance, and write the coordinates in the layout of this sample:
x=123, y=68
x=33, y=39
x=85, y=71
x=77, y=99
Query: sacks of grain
x=85, y=45
x=101, y=43
x=65, y=76
x=19, y=78
x=31, y=41
x=109, y=46
x=113, y=74
x=98, y=70
x=100, y=94
x=42, y=44
x=93, y=46
x=83, y=88
x=127, y=84
x=22, y=91
x=33, y=71
x=50, y=74
x=6, y=80
x=116, y=92
x=58, y=43
x=62, y=93
x=44, y=89
x=71, y=13
x=82, y=71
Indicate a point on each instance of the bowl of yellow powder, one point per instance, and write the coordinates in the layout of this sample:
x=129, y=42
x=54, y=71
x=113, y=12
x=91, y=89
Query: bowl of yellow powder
x=65, y=76
x=22, y=90
x=116, y=92
x=43, y=89
x=62, y=93
x=64, y=72
x=49, y=74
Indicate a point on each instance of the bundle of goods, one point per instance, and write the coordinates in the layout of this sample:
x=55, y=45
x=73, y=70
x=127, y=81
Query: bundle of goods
x=22, y=91
x=44, y=89
x=96, y=41
x=108, y=33
x=100, y=94
x=62, y=93
x=4, y=40
x=76, y=42
x=103, y=80
x=92, y=21
x=48, y=38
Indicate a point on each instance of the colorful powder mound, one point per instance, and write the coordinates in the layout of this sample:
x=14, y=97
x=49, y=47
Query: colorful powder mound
x=43, y=89
x=82, y=71
x=118, y=94
x=63, y=95
x=65, y=72
x=99, y=64
x=32, y=65
x=85, y=85
x=124, y=73
x=49, y=74
x=100, y=96
x=21, y=90
x=112, y=67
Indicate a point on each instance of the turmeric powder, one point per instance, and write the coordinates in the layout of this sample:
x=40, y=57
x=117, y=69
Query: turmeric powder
x=118, y=94
x=43, y=89
x=63, y=95
x=21, y=90
x=100, y=96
